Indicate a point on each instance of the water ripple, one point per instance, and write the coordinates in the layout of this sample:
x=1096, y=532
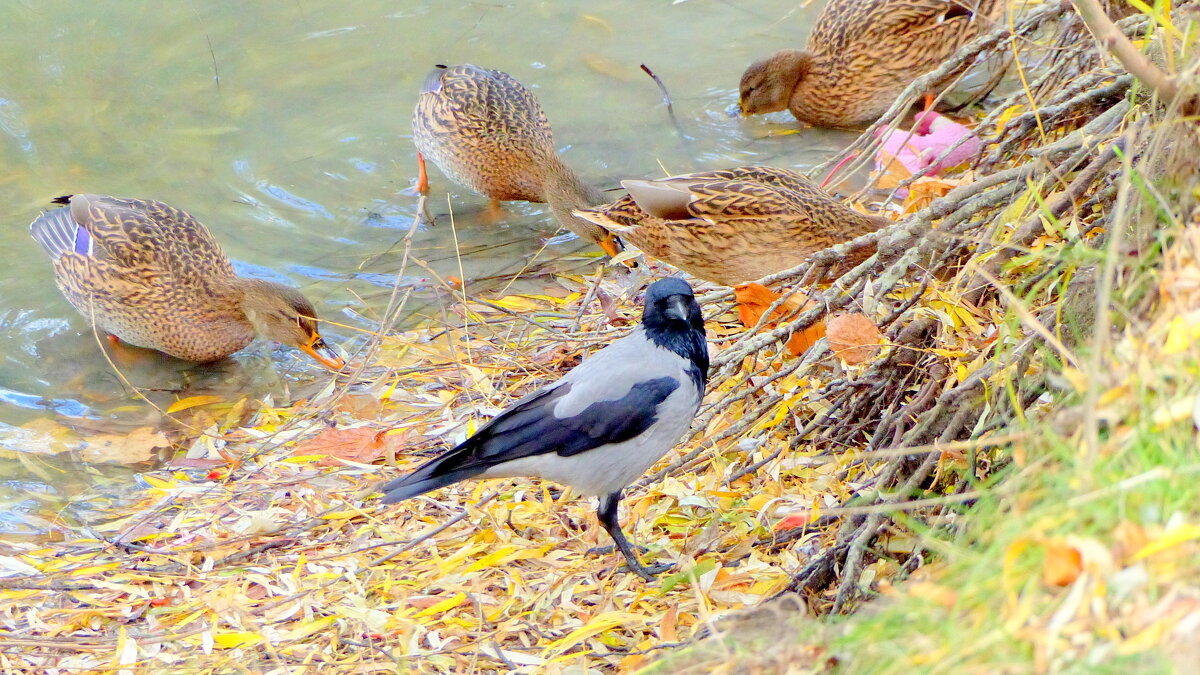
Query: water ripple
x=12, y=123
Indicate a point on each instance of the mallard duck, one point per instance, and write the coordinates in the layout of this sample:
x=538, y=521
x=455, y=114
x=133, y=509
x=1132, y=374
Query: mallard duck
x=486, y=131
x=860, y=56
x=153, y=276
x=733, y=225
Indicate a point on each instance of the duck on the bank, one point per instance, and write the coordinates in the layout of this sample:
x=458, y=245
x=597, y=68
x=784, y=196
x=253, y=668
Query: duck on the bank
x=734, y=225
x=601, y=425
x=860, y=55
x=487, y=132
x=151, y=275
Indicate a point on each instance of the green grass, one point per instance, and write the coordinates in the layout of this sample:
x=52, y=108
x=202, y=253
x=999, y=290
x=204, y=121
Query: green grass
x=983, y=606
x=1109, y=467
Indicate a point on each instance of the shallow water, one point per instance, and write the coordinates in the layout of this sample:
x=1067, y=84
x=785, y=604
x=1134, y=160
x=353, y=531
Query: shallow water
x=284, y=127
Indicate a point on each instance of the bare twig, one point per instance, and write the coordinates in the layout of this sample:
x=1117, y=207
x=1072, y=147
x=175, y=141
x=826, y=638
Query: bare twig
x=1135, y=62
x=666, y=101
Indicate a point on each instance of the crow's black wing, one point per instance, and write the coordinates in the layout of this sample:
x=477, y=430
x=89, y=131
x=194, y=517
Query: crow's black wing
x=530, y=427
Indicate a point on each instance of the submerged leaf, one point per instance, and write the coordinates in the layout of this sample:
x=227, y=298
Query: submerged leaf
x=136, y=447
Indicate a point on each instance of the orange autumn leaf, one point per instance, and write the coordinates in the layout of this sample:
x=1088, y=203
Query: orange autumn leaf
x=754, y=300
x=802, y=340
x=892, y=173
x=792, y=521
x=1063, y=563
x=923, y=191
x=853, y=337
x=361, y=444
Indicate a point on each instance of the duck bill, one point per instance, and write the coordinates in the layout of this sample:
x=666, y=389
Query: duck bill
x=323, y=353
x=610, y=244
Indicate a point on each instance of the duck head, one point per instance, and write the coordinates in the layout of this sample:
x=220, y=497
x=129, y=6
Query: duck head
x=284, y=315
x=767, y=85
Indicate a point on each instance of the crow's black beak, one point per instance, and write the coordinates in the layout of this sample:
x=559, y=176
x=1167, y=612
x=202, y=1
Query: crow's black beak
x=677, y=308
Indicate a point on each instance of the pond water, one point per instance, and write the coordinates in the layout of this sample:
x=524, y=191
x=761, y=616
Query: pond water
x=285, y=128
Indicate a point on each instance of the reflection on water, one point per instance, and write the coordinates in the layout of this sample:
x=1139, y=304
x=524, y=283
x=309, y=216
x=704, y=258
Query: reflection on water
x=284, y=127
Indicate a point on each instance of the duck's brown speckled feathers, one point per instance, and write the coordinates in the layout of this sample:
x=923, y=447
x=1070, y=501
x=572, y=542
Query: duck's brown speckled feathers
x=486, y=131
x=148, y=260
x=154, y=277
x=734, y=225
x=862, y=53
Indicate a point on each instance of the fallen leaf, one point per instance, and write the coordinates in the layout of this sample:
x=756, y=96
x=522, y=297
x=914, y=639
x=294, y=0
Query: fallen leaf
x=1128, y=539
x=792, y=521
x=598, y=22
x=607, y=67
x=853, y=337
x=360, y=444
x=192, y=402
x=136, y=447
x=1063, y=563
x=237, y=639
x=923, y=191
x=802, y=340
x=891, y=170
x=194, y=463
x=755, y=299
x=1171, y=538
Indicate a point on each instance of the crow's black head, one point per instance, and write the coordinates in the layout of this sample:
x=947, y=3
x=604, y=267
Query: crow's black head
x=673, y=321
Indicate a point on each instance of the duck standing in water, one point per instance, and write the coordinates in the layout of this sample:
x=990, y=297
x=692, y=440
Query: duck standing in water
x=860, y=56
x=153, y=276
x=487, y=132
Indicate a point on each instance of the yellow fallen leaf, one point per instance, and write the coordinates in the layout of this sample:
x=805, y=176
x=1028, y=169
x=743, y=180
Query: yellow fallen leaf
x=1171, y=538
x=606, y=66
x=94, y=569
x=505, y=555
x=158, y=482
x=192, y=402
x=235, y=639
x=126, y=653
x=1176, y=411
x=1007, y=115
x=598, y=624
x=445, y=605
x=1182, y=333
x=519, y=303
x=758, y=501
x=598, y=22
x=311, y=627
x=1008, y=573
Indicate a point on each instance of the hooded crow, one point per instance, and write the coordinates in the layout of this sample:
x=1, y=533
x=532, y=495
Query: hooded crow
x=601, y=425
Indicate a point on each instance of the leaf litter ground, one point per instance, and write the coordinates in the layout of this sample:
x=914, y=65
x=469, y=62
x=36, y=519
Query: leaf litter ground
x=261, y=550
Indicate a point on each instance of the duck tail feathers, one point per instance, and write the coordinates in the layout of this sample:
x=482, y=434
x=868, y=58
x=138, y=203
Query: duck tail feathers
x=58, y=233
